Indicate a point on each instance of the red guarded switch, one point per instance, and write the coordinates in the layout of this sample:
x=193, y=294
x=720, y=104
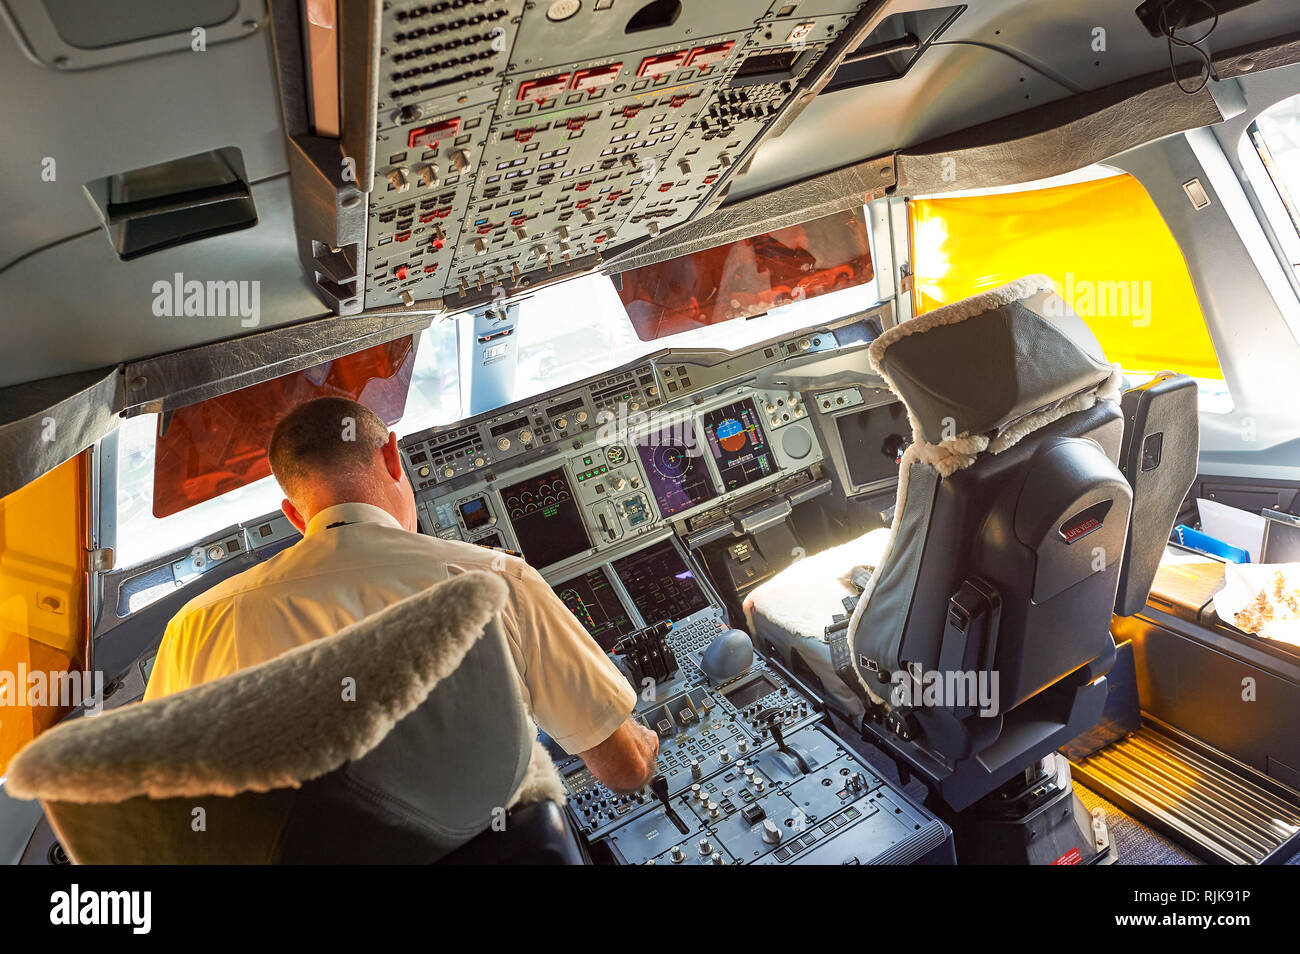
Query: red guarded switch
x=431, y=135
x=703, y=57
x=662, y=63
x=543, y=88
x=400, y=272
x=598, y=77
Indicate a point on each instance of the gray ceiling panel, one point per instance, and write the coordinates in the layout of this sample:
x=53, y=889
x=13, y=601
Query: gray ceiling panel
x=100, y=122
x=68, y=317
x=995, y=60
x=950, y=88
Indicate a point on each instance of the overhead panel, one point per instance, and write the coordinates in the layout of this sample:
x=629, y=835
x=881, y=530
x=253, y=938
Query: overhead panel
x=521, y=142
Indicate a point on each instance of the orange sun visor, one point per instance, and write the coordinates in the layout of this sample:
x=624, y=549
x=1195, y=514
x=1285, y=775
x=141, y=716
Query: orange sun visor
x=748, y=277
x=218, y=445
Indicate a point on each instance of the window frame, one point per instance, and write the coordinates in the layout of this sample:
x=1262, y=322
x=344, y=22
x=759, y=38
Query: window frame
x=1277, y=221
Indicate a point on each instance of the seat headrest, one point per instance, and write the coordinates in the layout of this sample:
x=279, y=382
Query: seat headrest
x=271, y=726
x=981, y=373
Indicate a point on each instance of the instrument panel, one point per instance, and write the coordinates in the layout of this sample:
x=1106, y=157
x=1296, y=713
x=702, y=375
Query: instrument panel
x=614, y=481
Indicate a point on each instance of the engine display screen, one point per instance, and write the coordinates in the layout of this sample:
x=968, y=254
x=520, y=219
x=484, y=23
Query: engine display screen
x=737, y=443
x=661, y=584
x=592, y=600
x=546, y=519
x=674, y=462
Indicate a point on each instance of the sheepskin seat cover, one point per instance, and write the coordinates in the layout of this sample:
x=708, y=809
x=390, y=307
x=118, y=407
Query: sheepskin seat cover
x=282, y=723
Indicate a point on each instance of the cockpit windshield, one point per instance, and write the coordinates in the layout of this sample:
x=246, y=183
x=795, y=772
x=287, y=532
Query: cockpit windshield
x=176, y=485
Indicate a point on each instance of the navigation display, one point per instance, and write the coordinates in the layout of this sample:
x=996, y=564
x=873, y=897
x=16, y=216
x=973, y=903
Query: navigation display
x=736, y=440
x=674, y=462
x=546, y=519
x=661, y=584
x=591, y=598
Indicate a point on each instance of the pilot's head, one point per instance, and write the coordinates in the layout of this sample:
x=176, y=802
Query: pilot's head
x=331, y=451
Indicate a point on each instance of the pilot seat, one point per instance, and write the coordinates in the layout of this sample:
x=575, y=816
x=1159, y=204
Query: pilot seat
x=402, y=738
x=981, y=639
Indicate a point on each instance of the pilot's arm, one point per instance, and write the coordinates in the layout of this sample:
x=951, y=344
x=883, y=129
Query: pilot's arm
x=578, y=696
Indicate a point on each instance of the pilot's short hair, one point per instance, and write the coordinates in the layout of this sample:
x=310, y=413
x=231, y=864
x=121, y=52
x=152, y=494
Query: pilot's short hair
x=328, y=438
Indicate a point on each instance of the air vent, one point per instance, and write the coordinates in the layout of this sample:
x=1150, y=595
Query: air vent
x=891, y=48
x=183, y=200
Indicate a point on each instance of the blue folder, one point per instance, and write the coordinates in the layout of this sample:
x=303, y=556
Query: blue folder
x=1204, y=543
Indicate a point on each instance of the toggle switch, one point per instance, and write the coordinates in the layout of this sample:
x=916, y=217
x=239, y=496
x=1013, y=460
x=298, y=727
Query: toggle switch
x=399, y=179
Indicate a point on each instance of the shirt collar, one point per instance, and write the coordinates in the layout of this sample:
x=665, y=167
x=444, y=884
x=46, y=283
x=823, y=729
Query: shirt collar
x=351, y=513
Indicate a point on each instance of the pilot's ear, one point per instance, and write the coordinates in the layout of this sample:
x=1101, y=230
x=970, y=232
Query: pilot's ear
x=392, y=457
x=294, y=516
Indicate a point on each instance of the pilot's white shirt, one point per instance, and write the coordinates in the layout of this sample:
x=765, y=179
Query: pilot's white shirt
x=335, y=576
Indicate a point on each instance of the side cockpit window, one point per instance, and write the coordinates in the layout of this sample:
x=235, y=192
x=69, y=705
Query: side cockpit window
x=1274, y=139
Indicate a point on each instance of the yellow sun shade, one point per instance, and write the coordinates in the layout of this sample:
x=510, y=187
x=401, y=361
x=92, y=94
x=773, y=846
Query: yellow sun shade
x=1102, y=242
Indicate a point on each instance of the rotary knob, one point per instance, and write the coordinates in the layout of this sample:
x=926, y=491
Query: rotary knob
x=429, y=175
x=503, y=443
x=424, y=471
x=400, y=180
x=742, y=745
x=724, y=756
x=460, y=160
x=713, y=809
x=696, y=771
x=562, y=423
x=771, y=834
x=449, y=472
x=525, y=436
x=581, y=417
x=618, y=483
x=677, y=855
x=706, y=846
x=716, y=858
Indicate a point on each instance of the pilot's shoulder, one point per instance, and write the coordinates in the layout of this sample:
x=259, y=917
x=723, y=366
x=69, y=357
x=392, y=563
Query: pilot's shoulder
x=223, y=594
x=469, y=557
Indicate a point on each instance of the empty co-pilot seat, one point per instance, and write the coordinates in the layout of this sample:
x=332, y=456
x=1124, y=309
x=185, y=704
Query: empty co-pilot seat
x=788, y=614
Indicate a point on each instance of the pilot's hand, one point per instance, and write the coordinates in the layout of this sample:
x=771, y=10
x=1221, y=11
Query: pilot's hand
x=625, y=761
